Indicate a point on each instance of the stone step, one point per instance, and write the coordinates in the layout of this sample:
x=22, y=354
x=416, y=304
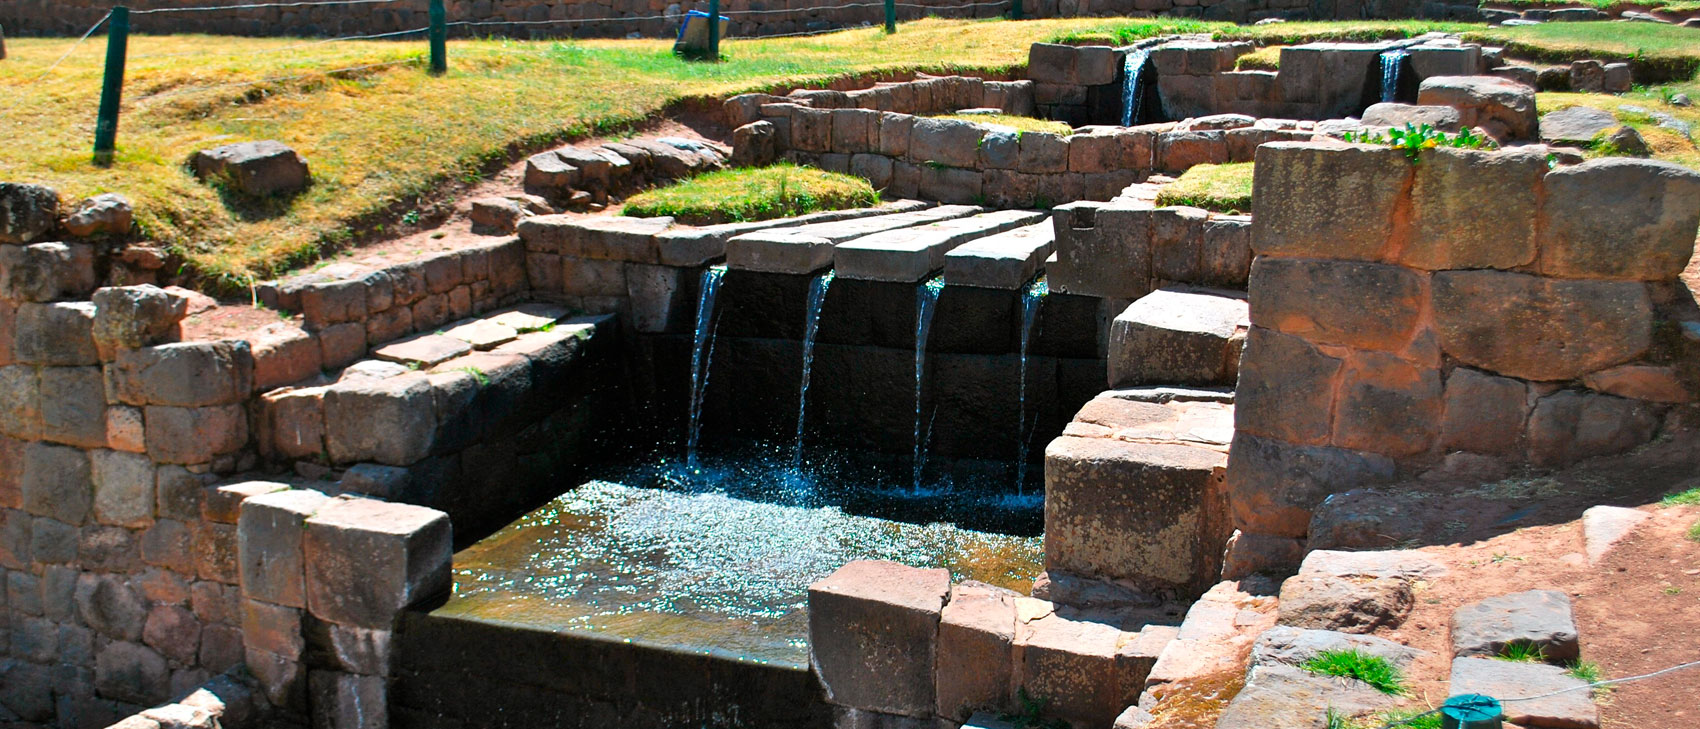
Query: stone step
x=910, y=254
x=1007, y=260
x=1179, y=336
x=691, y=247
x=809, y=248
x=1504, y=680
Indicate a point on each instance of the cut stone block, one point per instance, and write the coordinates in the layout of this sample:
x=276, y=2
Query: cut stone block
x=808, y=248
x=1443, y=118
x=1534, y=617
x=426, y=351
x=1007, y=260
x=1577, y=126
x=1294, y=646
x=1285, y=389
x=269, y=545
x=1361, y=305
x=348, y=701
x=390, y=421
x=1293, y=698
x=1327, y=602
x=976, y=630
x=1604, y=526
x=1538, y=328
x=1568, y=426
x=612, y=237
x=1214, y=637
x=873, y=635
x=260, y=169
x=189, y=374
x=367, y=560
x=910, y=254
x=481, y=335
x=1178, y=336
x=1070, y=663
x=1451, y=228
x=1297, y=184
x=1504, y=680
x=1504, y=107
x=1619, y=218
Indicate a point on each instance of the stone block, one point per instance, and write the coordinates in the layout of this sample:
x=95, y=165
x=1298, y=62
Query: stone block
x=194, y=435
x=260, y=169
x=855, y=131
x=1619, y=218
x=875, y=168
x=1052, y=63
x=1042, y=152
x=123, y=488
x=284, y=355
x=366, y=560
x=1451, y=228
x=333, y=302
x=1180, y=151
x=1502, y=106
x=1142, y=514
x=342, y=344
x=26, y=212
x=73, y=406
x=1483, y=413
x=391, y=421
x=1286, y=388
x=953, y=185
x=273, y=628
x=1324, y=602
x=48, y=541
x=215, y=553
x=20, y=401
x=1294, y=646
x=1177, y=336
x=1568, y=426
x=59, y=334
x=174, y=632
x=894, y=132
x=873, y=635
x=1176, y=233
x=109, y=605
x=45, y=271
x=282, y=680
x=349, y=701
x=1387, y=405
x=1387, y=114
x=56, y=482
x=1539, y=618
x=1000, y=149
x=360, y=650
x=1070, y=663
x=610, y=238
x=1102, y=250
x=1640, y=382
x=1539, y=328
x=949, y=142
x=1287, y=696
x=1571, y=709
x=976, y=630
x=1274, y=486
x=1297, y=185
x=269, y=549
x=135, y=316
x=811, y=130
x=189, y=374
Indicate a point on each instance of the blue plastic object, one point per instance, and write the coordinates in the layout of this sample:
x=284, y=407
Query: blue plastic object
x=1471, y=711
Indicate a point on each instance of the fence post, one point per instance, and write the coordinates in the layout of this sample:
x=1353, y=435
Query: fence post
x=439, y=38
x=1015, y=10
x=890, y=16
x=714, y=30
x=112, y=87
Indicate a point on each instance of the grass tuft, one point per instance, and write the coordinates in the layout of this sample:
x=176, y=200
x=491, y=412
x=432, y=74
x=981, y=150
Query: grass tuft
x=1522, y=651
x=744, y=195
x=1267, y=58
x=1694, y=532
x=1220, y=188
x=1376, y=671
x=1691, y=497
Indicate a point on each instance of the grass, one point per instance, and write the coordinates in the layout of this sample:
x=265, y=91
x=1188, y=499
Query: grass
x=1666, y=144
x=764, y=193
x=1267, y=58
x=1221, y=188
x=1693, y=533
x=1376, y=671
x=1691, y=497
x=1522, y=651
x=1406, y=718
x=1018, y=123
x=1658, y=51
x=1676, y=6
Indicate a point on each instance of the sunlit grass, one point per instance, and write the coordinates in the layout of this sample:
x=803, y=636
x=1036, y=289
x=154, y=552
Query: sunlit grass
x=1667, y=144
x=765, y=193
x=1222, y=188
x=1019, y=123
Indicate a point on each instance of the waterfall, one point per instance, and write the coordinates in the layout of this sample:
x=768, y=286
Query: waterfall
x=1030, y=300
x=817, y=298
x=926, y=295
x=702, y=356
x=1131, y=87
x=1391, y=61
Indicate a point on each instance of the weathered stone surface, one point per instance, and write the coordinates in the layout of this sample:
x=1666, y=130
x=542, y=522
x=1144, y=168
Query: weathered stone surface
x=56, y=482
x=59, y=334
x=1285, y=389
x=123, y=488
x=1292, y=698
x=174, y=632
x=1144, y=514
x=1534, y=617
x=269, y=547
x=1387, y=405
x=425, y=351
x=1043, y=152
x=1569, y=426
x=109, y=605
x=1297, y=185
x=349, y=701
x=1387, y=114
x=46, y=271
x=612, y=238
x=1178, y=336
x=1274, y=486
x=1483, y=413
x=1538, y=328
x=1451, y=228
x=1071, y=662
x=1502, y=106
x=910, y=254
x=26, y=212
x=106, y=213
x=976, y=629
x=1249, y=554
x=260, y=169
x=366, y=560
x=1102, y=250
x=1325, y=602
x=1640, y=382
x=284, y=354
x=755, y=144
x=273, y=628
x=1619, y=218
x=133, y=673
x=1604, y=526
x=194, y=435
x=73, y=406
x=1576, y=126
x=1504, y=680
x=496, y=215
x=1293, y=646
x=135, y=316
x=873, y=635
x=1004, y=261
x=282, y=680
x=390, y=421
x=1362, y=305
x=188, y=374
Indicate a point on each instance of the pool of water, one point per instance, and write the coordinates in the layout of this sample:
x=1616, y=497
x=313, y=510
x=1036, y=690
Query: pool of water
x=718, y=559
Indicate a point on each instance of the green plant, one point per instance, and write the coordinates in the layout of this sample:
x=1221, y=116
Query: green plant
x=411, y=217
x=1031, y=715
x=1406, y=718
x=1522, y=651
x=1690, y=497
x=1584, y=671
x=1374, y=670
x=1222, y=188
x=1694, y=532
x=1337, y=720
x=477, y=374
x=753, y=193
x=1412, y=139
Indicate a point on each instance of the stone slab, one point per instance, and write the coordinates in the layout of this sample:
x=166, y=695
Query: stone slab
x=1538, y=617
x=1505, y=680
x=695, y=246
x=809, y=248
x=1178, y=336
x=910, y=254
x=873, y=634
x=426, y=351
x=1007, y=260
x=1604, y=526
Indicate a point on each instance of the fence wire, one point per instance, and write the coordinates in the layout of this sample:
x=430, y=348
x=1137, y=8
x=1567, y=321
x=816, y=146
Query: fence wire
x=74, y=46
x=253, y=6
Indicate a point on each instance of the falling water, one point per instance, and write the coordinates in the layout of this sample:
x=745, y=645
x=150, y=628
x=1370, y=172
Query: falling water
x=926, y=295
x=702, y=355
x=1030, y=300
x=817, y=298
x=1131, y=88
x=1391, y=61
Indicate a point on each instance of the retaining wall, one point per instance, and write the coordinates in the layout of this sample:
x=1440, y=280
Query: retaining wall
x=1400, y=322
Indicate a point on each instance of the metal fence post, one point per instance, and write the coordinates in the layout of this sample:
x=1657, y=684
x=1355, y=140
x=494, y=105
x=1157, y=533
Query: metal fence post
x=112, y=87
x=714, y=30
x=439, y=38
x=891, y=16
x=1015, y=10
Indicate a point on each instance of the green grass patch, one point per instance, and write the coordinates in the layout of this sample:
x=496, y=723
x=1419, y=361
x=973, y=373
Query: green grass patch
x=1659, y=52
x=1666, y=144
x=1584, y=671
x=1127, y=31
x=1405, y=718
x=1522, y=651
x=1267, y=58
x=1376, y=671
x=1694, y=532
x=1691, y=497
x=1220, y=188
x=1018, y=123
x=757, y=193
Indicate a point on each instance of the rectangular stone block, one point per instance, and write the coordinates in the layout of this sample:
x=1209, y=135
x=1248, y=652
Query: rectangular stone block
x=56, y=482
x=1286, y=388
x=1225, y=258
x=1178, y=337
x=1007, y=260
x=269, y=546
x=58, y=334
x=1361, y=305
x=855, y=131
x=1618, y=218
x=273, y=628
x=1451, y=228
x=73, y=406
x=1102, y=250
x=1071, y=663
x=194, y=435
x=292, y=423
x=613, y=237
x=976, y=633
x=873, y=635
x=367, y=560
x=391, y=421
x=187, y=374
x=123, y=488
x=1274, y=486
x=1295, y=189
x=950, y=142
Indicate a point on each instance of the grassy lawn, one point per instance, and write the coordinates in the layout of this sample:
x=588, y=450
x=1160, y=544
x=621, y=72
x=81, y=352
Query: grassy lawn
x=1267, y=58
x=1669, y=51
x=381, y=138
x=1018, y=123
x=764, y=193
x=1221, y=188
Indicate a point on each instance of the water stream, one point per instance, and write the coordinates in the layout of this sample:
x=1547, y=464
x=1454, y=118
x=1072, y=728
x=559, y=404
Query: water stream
x=1132, y=88
x=702, y=355
x=926, y=296
x=1030, y=300
x=817, y=298
x=1391, y=63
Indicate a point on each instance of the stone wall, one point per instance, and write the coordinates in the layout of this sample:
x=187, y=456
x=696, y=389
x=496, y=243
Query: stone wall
x=1401, y=322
